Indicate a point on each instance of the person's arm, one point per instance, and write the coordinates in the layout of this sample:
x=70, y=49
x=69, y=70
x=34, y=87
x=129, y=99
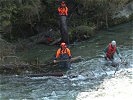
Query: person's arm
x=69, y=53
x=59, y=10
x=66, y=11
x=57, y=55
x=105, y=50
x=118, y=53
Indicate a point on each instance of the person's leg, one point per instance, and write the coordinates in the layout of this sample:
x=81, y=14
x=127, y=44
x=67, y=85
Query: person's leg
x=112, y=58
x=106, y=58
x=61, y=64
x=68, y=65
x=114, y=64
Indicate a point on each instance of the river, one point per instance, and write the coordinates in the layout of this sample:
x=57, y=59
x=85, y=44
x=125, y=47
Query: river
x=89, y=79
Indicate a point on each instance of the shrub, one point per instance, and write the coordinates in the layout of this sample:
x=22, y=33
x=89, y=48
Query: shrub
x=82, y=32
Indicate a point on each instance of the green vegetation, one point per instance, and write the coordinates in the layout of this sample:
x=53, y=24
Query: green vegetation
x=5, y=49
x=24, y=18
x=82, y=32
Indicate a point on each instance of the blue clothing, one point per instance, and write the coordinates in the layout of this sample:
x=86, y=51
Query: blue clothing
x=65, y=64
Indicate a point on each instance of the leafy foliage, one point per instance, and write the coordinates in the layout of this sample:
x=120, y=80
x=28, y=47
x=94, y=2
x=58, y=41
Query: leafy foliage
x=23, y=18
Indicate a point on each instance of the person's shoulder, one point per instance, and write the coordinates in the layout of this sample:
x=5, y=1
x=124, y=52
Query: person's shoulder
x=59, y=6
x=66, y=7
x=67, y=48
x=59, y=49
x=109, y=45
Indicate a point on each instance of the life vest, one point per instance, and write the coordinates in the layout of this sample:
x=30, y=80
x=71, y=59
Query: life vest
x=63, y=11
x=111, y=50
x=63, y=53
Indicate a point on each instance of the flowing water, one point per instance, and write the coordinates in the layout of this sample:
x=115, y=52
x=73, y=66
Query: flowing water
x=89, y=79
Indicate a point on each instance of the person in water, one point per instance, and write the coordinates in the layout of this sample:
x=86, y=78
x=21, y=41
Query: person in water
x=63, y=53
x=110, y=50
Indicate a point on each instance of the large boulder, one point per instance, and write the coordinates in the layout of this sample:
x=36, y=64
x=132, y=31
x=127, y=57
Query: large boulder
x=125, y=11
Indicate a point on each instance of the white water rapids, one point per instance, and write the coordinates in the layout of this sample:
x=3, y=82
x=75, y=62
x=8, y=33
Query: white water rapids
x=89, y=79
x=119, y=87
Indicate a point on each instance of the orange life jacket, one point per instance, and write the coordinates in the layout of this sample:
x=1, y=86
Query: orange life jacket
x=111, y=50
x=63, y=11
x=63, y=52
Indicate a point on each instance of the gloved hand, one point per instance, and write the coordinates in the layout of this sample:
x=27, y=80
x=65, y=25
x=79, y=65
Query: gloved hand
x=54, y=61
x=70, y=57
x=121, y=59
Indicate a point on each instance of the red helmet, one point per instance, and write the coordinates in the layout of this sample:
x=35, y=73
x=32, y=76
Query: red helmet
x=63, y=44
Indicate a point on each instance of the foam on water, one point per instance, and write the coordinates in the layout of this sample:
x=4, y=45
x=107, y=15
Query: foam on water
x=79, y=77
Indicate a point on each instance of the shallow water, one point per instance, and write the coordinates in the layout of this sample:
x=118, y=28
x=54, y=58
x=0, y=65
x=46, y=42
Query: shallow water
x=88, y=79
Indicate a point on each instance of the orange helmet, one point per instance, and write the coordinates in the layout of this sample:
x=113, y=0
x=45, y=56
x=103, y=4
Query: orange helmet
x=63, y=44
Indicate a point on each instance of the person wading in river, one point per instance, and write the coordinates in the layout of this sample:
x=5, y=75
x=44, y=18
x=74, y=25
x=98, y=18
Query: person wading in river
x=63, y=13
x=110, y=50
x=63, y=53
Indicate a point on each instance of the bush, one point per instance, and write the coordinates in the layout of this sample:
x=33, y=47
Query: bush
x=82, y=32
x=6, y=49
